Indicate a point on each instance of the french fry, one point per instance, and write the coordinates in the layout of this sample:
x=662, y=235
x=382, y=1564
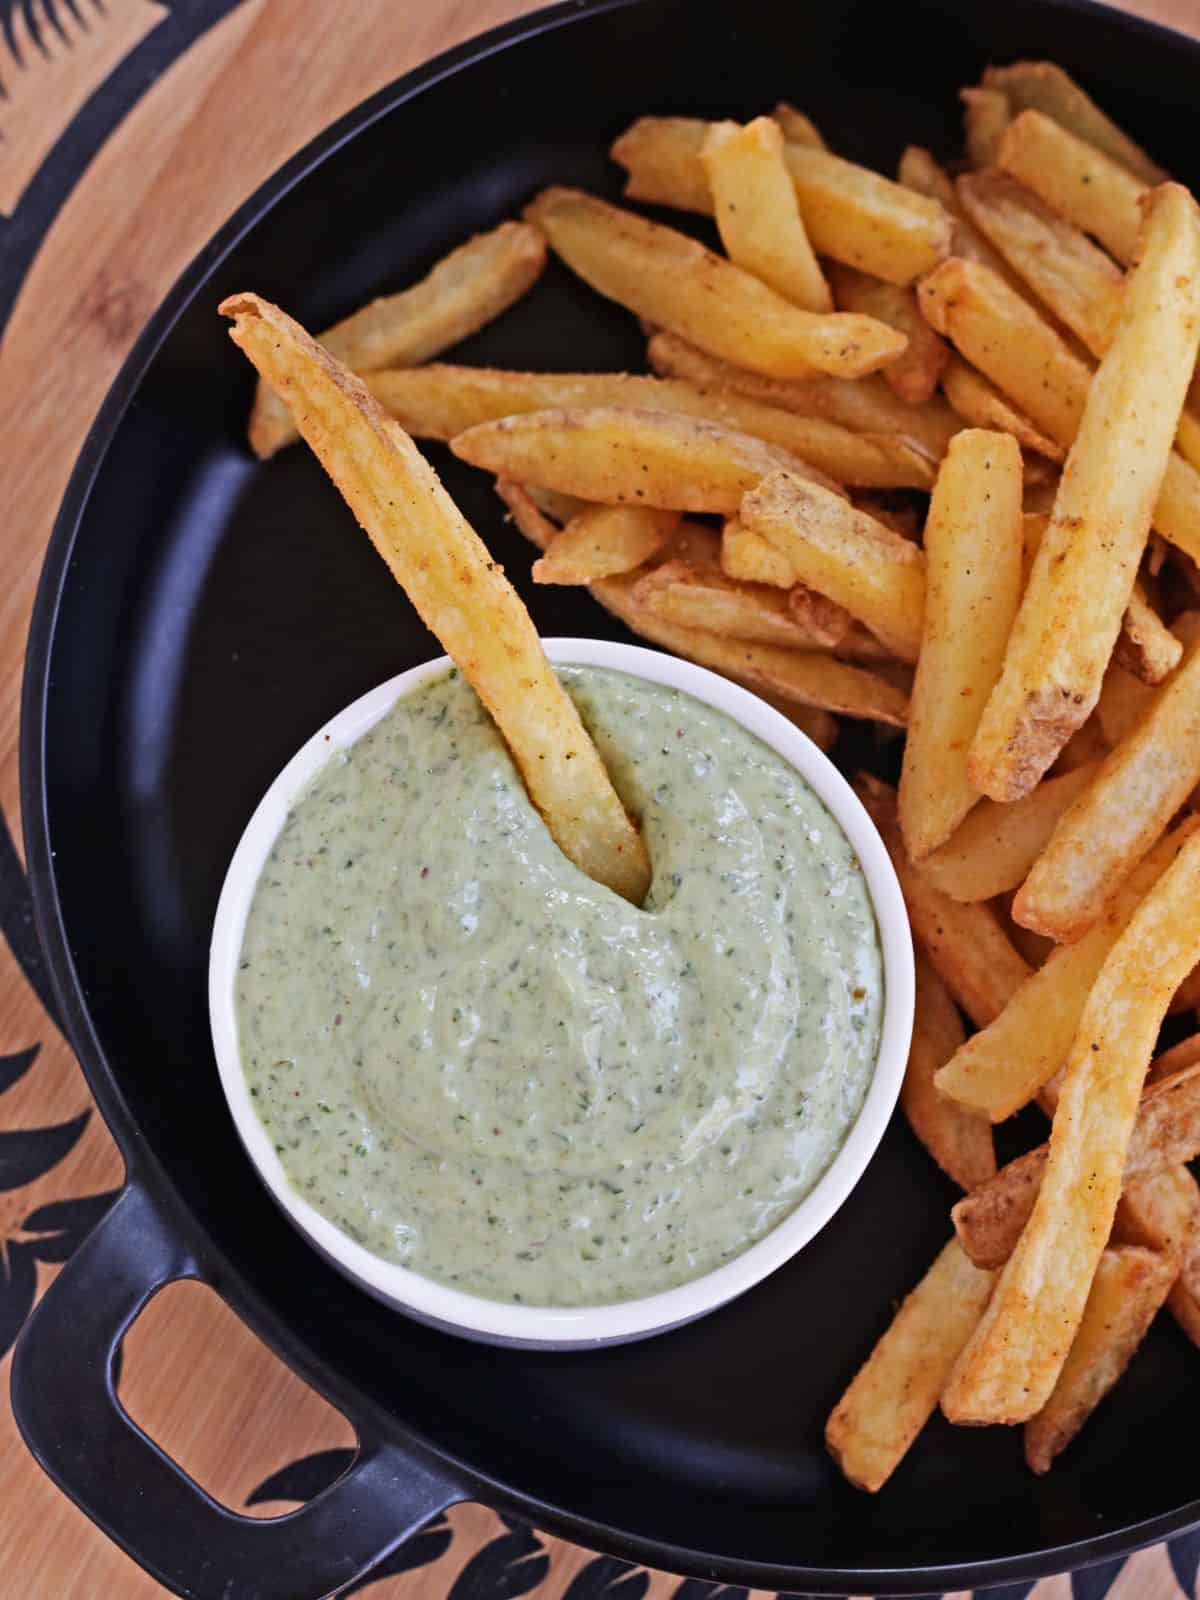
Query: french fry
x=1187, y=996
x=1075, y=179
x=900, y=513
x=1077, y=280
x=459, y=591
x=620, y=455
x=1084, y=571
x=748, y=557
x=986, y=114
x=959, y=1141
x=965, y=943
x=601, y=541
x=877, y=575
x=1012, y=1361
x=895, y=1393
x=919, y=171
x=1085, y=747
x=981, y=405
x=559, y=508
x=865, y=405
x=1003, y=1066
x=1163, y=1211
x=1184, y=1054
x=758, y=218
x=973, y=548
x=441, y=401
x=796, y=127
x=993, y=849
x=703, y=597
x=914, y=373
x=1166, y=1132
x=1115, y=821
x=1043, y=86
x=1129, y=1288
x=1145, y=645
x=465, y=290
x=1123, y=701
x=675, y=282
x=850, y=213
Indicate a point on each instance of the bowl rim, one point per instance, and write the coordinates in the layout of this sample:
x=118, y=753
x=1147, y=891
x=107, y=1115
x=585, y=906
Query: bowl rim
x=572, y=1327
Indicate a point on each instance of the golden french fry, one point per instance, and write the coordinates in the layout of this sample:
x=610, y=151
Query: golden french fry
x=973, y=548
x=759, y=221
x=1085, y=747
x=1032, y=947
x=703, y=597
x=877, y=575
x=1044, y=86
x=1163, y=1211
x=796, y=127
x=791, y=678
x=919, y=171
x=1004, y=1065
x=1115, y=821
x=850, y=213
x=559, y=508
x=914, y=373
x=622, y=455
x=959, y=1141
x=675, y=282
x=986, y=114
x=980, y=404
x=900, y=513
x=966, y=944
x=465, y=290
x=1166, y=1132
x=1187, y=996
x=1083, y=574
x=1127, y=1292
x=439, y=402
x=1010, y=1365
x=603, y=540
x=895, y=1393
x=1145, y=645
x=993, y=849
x=1075, y=179
x=459, y=591
x=748, y=557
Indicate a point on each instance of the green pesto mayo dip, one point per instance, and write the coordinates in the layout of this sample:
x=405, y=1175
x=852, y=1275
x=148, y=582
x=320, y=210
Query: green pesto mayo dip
x=488, y=1068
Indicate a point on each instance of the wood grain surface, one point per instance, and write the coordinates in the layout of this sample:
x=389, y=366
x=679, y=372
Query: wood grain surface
x=195, y=141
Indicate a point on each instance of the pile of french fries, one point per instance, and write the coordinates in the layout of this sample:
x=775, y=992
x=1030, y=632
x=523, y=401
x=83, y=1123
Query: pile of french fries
x=925, y=453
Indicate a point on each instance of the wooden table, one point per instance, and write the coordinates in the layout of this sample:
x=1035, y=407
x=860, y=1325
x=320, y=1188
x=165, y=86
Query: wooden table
x=129, y=131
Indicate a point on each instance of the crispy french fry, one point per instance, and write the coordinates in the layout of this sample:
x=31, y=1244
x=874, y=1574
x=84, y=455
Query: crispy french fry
x=1083, y=574
x=601, y=541
x=748, y=557
x=1187, y=996
x=919, y=171
x=1115, y=821
x=986, y=114
x=758, y=218
x=865, y=405
x=980, y=404
x=1032, y=947
x=965, y=943
x=914, y=373
x=959, y=1141
x=900, y=513
x=1044, y=86
x=1123, y=701
x=1163, y=1211
x=1012, y=1361
x=877, y=575
x=439, y=402
x=1184, y=1054
x=1085, y=747
x=465, y=290
x=1003, y=1066
x=973, y=548
x=895, y=1393
x=1166, y=1132
x=851, y=213
x=459, y=591
x=993, y=849
x=703, y=597
x=1145, y=645
x=559, y=508
x=675, y=282
x=620, y=455
x=1075, y=179
x=796, y=127
x=1127, y=1292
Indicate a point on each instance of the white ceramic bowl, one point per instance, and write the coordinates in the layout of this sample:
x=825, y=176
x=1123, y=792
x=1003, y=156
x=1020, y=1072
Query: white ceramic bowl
x=583, y=1326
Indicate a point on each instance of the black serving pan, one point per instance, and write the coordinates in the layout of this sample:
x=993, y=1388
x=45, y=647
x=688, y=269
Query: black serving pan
x=200, y=615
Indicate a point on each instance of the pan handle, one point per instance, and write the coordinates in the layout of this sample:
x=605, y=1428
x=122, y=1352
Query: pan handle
x=65, y=1402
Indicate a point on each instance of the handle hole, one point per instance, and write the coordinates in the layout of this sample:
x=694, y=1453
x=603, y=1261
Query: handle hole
x=235, y=1418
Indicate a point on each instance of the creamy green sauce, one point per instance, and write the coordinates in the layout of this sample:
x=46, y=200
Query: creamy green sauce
x=486, y=1067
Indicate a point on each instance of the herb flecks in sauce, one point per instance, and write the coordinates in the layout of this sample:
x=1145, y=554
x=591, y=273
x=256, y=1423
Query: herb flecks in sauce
x=487, y=1067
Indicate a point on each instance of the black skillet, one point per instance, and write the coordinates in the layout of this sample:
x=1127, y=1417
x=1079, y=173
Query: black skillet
x=200, y=615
